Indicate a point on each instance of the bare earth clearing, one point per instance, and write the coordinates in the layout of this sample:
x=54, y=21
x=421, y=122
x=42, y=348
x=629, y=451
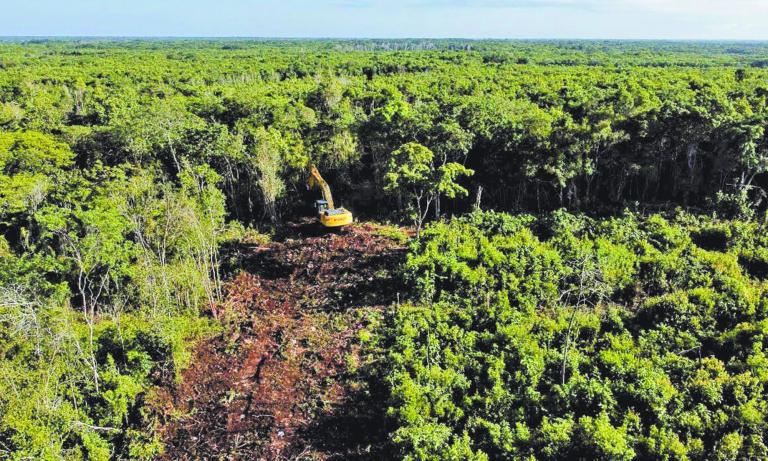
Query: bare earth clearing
x=282, y=379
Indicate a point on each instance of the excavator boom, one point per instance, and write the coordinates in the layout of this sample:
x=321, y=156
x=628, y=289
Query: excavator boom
x=315, y=180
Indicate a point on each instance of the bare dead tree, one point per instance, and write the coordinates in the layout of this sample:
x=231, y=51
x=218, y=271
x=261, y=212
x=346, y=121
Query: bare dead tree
x=589, y=290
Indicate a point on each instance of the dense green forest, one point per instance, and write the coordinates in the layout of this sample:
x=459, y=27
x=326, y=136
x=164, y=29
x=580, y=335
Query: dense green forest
x=612, y=306
x=564, y=337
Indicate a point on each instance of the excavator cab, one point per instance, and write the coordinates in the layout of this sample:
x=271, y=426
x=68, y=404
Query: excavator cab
x=327, y=214
x=321, y=205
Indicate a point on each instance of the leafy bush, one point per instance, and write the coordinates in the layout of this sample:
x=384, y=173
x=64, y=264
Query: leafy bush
x=100, y=297
x=613, y=339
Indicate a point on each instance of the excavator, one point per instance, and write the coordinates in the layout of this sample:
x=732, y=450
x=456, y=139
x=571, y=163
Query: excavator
x=328, y=215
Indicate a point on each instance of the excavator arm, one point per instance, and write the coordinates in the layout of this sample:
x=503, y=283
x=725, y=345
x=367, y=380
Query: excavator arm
x=315, y=180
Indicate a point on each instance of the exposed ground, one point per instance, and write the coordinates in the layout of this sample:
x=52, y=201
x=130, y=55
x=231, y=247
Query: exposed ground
x=282, y=380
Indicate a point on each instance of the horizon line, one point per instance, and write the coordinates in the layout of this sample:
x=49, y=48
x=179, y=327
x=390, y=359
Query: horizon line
x=291, y=38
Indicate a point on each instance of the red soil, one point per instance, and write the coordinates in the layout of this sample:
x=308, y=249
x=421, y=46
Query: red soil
x=278, y=378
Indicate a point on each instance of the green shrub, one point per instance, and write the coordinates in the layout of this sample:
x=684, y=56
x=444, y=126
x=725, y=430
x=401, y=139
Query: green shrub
x=616, y=339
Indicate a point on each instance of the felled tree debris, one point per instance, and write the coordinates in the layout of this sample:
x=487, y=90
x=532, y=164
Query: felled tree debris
x=279, y=368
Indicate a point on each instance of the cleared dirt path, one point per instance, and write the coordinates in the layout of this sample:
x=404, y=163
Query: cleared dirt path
x=280, y=380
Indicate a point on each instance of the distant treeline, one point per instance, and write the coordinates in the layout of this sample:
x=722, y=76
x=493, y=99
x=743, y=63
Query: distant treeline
x=576, y=124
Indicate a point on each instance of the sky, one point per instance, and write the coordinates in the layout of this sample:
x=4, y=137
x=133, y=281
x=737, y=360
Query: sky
x=531, y=19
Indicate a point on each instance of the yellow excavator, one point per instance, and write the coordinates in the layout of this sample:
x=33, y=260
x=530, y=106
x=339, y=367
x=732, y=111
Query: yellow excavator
x=328, y=215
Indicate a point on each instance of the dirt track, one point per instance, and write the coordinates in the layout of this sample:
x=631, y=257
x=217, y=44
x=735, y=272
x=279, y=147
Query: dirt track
x=280, y=382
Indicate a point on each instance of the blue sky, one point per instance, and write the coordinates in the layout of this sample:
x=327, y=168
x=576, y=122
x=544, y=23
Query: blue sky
x=628, y=19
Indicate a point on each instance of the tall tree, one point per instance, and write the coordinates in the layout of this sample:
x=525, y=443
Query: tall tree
x=412, y=171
